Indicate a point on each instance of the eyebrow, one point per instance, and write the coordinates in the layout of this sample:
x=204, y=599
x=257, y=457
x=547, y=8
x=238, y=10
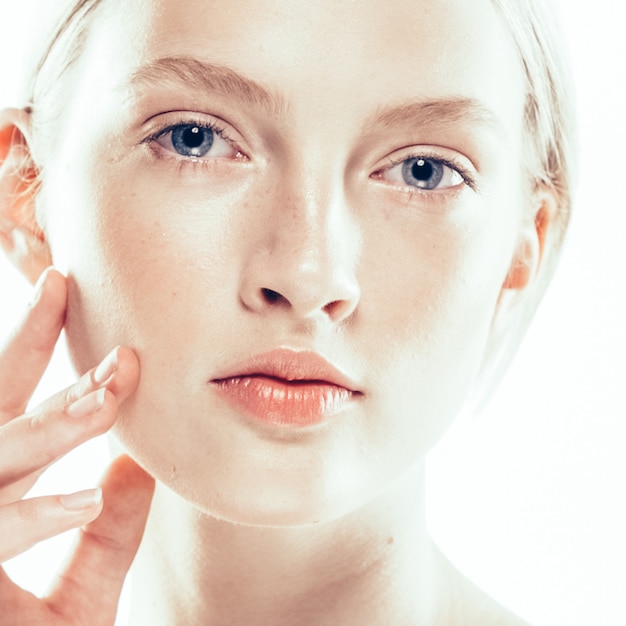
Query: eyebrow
x=230, y=84
x=209, y=77
x=439, y=112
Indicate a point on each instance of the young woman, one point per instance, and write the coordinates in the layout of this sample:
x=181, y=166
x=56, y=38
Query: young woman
x=315, y=233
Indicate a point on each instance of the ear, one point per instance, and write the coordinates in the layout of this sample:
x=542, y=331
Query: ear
x=533, y=244
x=533, y=240
x=21, y=238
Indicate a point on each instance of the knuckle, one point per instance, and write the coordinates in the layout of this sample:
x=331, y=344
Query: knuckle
x=38, y=426
x=36, y=422
x=68, y=396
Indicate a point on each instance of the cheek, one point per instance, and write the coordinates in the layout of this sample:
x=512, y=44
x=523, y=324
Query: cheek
x=143, y=259
x=436, y=287
x=159, y=270
x=434, y=284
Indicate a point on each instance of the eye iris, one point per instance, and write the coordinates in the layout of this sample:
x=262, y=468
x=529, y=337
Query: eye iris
x=422, y=173
x=191, y=140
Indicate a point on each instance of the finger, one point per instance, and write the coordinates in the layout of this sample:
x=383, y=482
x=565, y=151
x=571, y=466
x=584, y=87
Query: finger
x=19, y=606
x=32, y=442
x=27, y=352
x=88, y=590
x=27, y=522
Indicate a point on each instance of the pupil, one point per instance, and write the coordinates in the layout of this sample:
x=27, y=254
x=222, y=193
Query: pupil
x=192, y=141
x=422, y=170
x=193, y=137
x=423, y=173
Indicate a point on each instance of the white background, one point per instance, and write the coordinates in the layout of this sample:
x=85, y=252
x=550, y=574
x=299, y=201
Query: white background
x=529, y=498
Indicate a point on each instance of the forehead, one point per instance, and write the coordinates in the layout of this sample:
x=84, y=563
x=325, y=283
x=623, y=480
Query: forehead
x=328, y=55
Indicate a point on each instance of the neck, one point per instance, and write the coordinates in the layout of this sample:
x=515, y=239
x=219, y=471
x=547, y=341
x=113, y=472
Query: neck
x=376, y=565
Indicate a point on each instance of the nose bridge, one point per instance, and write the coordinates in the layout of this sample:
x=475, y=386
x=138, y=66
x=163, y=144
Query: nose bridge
x=305, y=255
x=308, y=225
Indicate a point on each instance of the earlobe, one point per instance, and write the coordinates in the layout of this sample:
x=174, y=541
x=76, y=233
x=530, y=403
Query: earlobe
x=21, y=238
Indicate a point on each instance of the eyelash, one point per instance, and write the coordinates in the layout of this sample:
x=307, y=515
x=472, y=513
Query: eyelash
x=468, y=178
x=220, y=131
x=184, y=161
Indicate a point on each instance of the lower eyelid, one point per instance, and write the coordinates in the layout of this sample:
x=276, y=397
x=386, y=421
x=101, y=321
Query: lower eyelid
x=464, y=179
x=439, y=154
x=158, y=148
x=180, y=165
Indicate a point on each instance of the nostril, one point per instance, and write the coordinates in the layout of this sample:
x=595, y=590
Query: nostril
x=332, y=308
x=271, y=296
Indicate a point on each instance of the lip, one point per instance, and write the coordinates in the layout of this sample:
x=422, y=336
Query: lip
x=287, y=387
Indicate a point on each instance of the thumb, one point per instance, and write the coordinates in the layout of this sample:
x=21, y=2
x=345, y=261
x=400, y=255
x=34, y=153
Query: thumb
x=87, y=590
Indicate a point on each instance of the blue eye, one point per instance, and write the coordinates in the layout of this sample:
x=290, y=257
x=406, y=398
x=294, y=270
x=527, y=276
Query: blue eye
x=195, y=141
x=191, y=140
x=423, y=173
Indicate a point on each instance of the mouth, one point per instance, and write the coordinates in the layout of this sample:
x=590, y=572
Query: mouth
x=288, y=388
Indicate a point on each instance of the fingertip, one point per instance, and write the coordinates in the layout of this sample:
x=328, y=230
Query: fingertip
x=124, y=469
x=128, y=359
x=52, y=285
x=86, y=500
x=126, y=377
x=50, y=292
x=33, y=339
x=54, y=274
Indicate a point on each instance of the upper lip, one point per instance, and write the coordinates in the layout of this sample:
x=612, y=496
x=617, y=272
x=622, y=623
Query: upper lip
x=291, y=366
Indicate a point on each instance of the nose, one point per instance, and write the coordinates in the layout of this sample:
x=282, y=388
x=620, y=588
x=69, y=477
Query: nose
x=303, y=260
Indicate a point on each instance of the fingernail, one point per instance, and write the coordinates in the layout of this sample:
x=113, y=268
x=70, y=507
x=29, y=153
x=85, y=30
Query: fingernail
x=38, y=289
x=80, y=500
x=87, y=405
x=107, y=368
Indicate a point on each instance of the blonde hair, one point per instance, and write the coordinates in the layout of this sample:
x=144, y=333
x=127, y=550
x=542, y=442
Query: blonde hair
x=549, y=158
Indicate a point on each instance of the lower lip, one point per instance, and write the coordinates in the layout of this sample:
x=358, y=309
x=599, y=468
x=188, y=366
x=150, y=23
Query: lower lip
x=285, y=403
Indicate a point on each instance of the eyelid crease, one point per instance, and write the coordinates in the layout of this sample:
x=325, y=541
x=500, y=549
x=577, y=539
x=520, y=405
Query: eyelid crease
x=468, y=178
x=190, y=120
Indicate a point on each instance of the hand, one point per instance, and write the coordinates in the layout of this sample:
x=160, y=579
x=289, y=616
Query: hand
x=86, y=591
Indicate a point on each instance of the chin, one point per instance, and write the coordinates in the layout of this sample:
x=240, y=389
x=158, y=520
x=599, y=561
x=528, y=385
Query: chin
x=246, y=494
x=273, y=505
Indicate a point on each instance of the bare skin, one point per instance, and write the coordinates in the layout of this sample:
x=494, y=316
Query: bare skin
x=297, y=229
x=87, y=589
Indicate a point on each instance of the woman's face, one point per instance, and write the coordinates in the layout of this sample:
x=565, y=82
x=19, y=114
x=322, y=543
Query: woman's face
x=232, y=179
